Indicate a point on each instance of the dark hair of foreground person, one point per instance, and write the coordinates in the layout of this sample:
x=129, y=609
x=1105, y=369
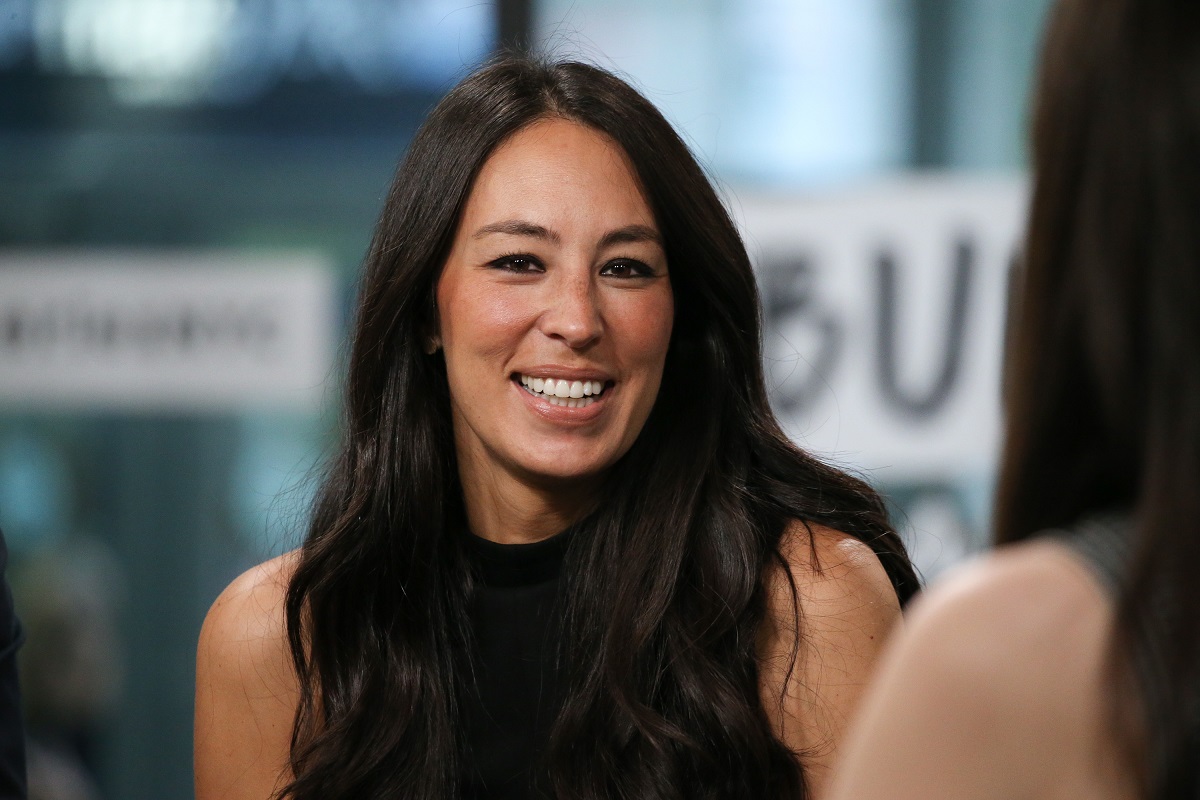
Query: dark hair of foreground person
x=1103, y=373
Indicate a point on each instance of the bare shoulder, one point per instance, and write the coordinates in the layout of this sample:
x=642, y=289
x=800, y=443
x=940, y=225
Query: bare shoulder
x=244, y=636
x=246, y=689
x=992, y=686
x=251, y=607
x=838, y=579
x=984, y=619
x=822, y=642
x=1019, y=634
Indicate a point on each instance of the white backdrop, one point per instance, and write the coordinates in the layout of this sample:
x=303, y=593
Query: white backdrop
x=165, y=331
x=885, y=309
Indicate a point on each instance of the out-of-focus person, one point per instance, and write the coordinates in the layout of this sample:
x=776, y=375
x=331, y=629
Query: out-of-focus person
x=12, y=728
x=70, y=665
x=1065, y=663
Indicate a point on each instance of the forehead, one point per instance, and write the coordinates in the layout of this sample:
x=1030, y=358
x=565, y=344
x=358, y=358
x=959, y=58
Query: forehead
x=558, y=169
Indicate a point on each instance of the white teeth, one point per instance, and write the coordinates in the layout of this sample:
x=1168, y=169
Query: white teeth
x=573, y=394
x=570, y=402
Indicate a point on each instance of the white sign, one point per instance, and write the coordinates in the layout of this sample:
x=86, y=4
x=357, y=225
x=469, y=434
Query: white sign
x=164, y=331
x=885, y=310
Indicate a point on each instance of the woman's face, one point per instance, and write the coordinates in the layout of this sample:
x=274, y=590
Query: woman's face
x=554, y=309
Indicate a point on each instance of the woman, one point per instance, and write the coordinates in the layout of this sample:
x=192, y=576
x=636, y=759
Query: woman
x=562, y=548
x=1065, y=664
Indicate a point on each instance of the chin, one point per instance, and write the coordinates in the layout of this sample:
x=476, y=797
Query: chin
x=569, y=472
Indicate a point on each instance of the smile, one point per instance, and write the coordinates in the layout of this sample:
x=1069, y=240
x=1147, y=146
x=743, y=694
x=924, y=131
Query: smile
x=572, y=394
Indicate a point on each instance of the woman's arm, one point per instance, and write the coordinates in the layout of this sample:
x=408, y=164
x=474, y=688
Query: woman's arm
x=994, y=690
x=246, y=691
x=847, y=608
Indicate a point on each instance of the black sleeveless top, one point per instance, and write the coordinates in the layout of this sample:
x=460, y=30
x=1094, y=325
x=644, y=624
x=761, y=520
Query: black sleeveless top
x=516, y=692
x=1105, y=544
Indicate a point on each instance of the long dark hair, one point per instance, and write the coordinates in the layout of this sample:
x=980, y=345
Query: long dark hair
x=1103, y=374
x=665, y=580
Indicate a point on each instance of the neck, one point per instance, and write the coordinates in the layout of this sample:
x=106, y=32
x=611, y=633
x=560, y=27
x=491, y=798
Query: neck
x=511, y=509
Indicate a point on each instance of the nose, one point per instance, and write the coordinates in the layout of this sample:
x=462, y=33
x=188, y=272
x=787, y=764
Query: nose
x=572, y=312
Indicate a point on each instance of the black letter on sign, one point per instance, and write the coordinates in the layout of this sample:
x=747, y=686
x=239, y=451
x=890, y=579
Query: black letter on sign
x=792, y=312
x=923, y=407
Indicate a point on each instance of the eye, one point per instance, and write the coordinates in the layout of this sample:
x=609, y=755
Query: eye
x=518, y=263
x=627, y=268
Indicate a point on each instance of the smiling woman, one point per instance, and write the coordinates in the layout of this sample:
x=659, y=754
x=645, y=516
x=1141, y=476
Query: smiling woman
x=565, y=549
x=558, y=277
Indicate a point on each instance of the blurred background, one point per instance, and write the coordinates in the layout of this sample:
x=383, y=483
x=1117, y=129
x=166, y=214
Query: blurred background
x=187, y=189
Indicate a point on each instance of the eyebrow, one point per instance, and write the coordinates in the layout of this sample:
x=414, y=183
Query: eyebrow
x=516, y=227
x=630, y=234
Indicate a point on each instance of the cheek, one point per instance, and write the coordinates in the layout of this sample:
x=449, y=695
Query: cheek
x=646, y=331
x=476, y=319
